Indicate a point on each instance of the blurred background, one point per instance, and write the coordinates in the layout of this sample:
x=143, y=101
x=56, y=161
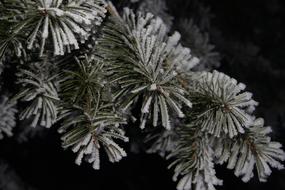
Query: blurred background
x=243, y=38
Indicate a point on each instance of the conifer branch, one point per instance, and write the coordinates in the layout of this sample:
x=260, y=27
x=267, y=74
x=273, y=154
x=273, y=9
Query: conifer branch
x=221, y=106
x=193, y=160
x=89, y=121
x=130, y=61
x=40, y=92
x=143, y=61
x=253, y=149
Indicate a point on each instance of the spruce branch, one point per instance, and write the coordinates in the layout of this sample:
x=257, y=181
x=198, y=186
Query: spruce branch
x=9, y=46
x=131, y=61
x=89, y=120
x=193, y=160
x=221, y=105
x=143, y=62
x=10, y=43
x=253, y=149
x=39, y=91
x=87, y=132
x=86, y=79
x=221, y=118
x=64, y=23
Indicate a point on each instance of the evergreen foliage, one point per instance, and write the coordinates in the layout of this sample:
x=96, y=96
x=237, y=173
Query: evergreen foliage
x=221, y=104
x=40, y=93
x=194, y=160
x=204, y=118
x=64, y=23
x=252, y=149
x=143, y=62
x=199, y=43
x=8, y=117
x=89, y=119
x=157, y=8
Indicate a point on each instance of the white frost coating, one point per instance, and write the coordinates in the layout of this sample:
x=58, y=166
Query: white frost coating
x=96, y=163
x=145, y=108
x=196, y=167
x=185, y=183
x=255, y=150
x=173, y=41
x=70, y=23
x=194, y=61
x=89, y=148
x=139, y=89
x=87, y=140
x=45, y=27
x=142, y=124
x=164, y=113
x=34, y=35
x=232, y=117
x=154, y=59
x=47, y=3
x=40, y=94
x=157, y=8
x=7, y=115
x=79, y=157
x=153, y=87
x=242, y=86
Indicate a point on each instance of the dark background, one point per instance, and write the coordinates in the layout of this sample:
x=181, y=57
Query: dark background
x=249, y=35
